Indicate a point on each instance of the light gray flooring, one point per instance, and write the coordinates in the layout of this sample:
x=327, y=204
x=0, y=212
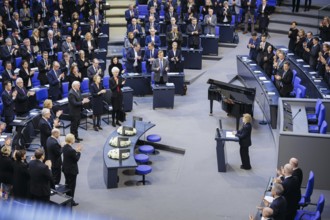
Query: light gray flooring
x=185, y=186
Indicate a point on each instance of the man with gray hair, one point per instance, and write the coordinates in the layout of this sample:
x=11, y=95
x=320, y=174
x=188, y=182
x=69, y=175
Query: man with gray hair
x=54, y=150
x=55, y=77
x=279, y=204
x=50, y=44
x=76, y=102
x=8, y=51
x=22, y=98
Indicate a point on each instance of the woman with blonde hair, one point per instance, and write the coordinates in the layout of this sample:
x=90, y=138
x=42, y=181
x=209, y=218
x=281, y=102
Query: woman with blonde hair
x=97, y=92
x=6, y=171
x=244, y=136
x=89, y=45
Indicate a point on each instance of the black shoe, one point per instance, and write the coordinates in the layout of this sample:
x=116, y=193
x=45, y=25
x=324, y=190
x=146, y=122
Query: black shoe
x=100, y=128
x=245, y=168
x=117, y=123
x=95, y=129
x=113, y=124
x=75, y=203
x=79, y=139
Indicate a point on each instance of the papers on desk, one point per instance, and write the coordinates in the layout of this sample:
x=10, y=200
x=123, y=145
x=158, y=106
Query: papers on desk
x=34, y=89
x=317, y=80
x=47, y=85
x=63, y=100
x=283, y=49
x=16, y=71
x=34, y=113
x=306, y=66
x=34, y=69
x=312, y=73
x=271, y=93
x=269, y=199
x=132, y=74
x=169, y=84
x=257, y=71
x=290, y=54
x=210, y=35
x=229, y=134
x=172, y=74
x=253, y=64
x=266, y=81
x=326, y=96
x=299, y=60
x=3, y=136
x=17, y=121
x=262, y=78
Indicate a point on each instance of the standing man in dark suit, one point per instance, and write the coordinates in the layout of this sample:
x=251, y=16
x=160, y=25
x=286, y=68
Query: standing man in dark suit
x=262, y=50
x=8, y=98
x=160, y=66
x=70, y=164
x=291, y=191
x=314, y=52
x=174, y=36
x=175, y=57
x=9, y=51
x=54, y=150
x=93, y=70
x=297, y=172
x=8, y=74
x=244, y=136
x=264, y=12
x=134, y=58
x=116, y=83
x=41, y=180
x=76, y=101
x=135, y=28
x=27, y=52
x=279, y=203
x=249, y=7
x=45, y=128
x=150, y=55
x=285, y=80
x=50, y=44
x=22, y=98
x=193, y=31
x=54, y=78
x=131, y=13
x=253, y=45
x=44, y=67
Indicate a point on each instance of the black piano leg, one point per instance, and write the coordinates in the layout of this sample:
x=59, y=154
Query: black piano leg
x=211, y=107
x=237, y=123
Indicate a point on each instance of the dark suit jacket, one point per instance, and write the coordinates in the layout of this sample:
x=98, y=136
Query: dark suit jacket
x=40, y=178
x=253, y=5
x=155, y=65
x=174, y=64
x=6, y=77
x=5, y=54
x=244, y=135
x=314, y=54
x=224, y=13
x=298, y=174
x=253, y=51
x=130, y=60
x=128, y=16
x=168, y=17
x=42, y=77
x=291, y=193
x=91, y=73
x=45, y=132
x=54, y=151
x=54, y=84
x=193, y=39
x=279, y=208
x=8, y=104
x=21, y=179
x=21, y=101
x=287, y=83
x=75, y=103
x=147, y=27
x=156, y=41
x=147, y=56
x=6, y=170
x=25, y=54
x=138, y=27
x=170, y=39
x=70, y=160
x=46, y=45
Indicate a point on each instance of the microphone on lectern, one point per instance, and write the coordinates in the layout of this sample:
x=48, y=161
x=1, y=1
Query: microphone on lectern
x=296, y=114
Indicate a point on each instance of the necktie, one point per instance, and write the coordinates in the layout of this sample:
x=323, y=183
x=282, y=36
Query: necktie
x=48, y=124
x=161, y=67
x=23, y=91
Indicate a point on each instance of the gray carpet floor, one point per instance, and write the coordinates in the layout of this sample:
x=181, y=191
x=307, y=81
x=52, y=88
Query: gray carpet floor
x=185, y=186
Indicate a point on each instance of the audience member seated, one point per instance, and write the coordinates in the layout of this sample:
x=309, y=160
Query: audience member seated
x=44, y=66
x=26, y=74
x=21, y=176
x=152, y=12
x=134, y=58
x=170, y=14
x=325, y=29
x=27, y=52
x=131, y=13
x=88, y=45
x=93, y=70
x=69, y=47
x=55, y=76
x=268, y=61
x=114, y=62
x=224, y=16
x=8, y=74
x=9, y=51
x=22, y=104
x=283, y=82
x=160, y=67
x=135, y=28
x=174, y=58
x=210, y=21
x=151, y=24
x=153, y=38
x=262, y=50
x=6, y=171
x=74, y=75
x=292, y=35
x=130, y=40
x=193, y=31
x=150, y=55
x=8, y=99
x=174, y=36
x=83, y=63
x=253, y=46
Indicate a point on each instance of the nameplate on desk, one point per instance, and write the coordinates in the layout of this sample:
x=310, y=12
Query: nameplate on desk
x=253, y=64
x=2, y=139
x=306, y=66
x=34, y=89
x=266, y=81
x=299, y=60
x=317, y=80
x=34, y=113
x=312, y=73
x=326, y=96
x=323, y=89
x=34, y=69
x=17, y=121
x=290, y=54
x=262, y=78
x=283, y=49
x=210, y=35
x=271, y=93
x=169, y=84
x=16, y=71
x=229, y=134
x=3, y=136
x=132, y=74
x=47, y=85
x=172, y=74
x=63, y=100
x=257, y=71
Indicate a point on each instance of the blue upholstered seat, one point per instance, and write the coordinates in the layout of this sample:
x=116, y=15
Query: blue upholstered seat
x=321, y=117
x=306, y=198
x=141, y=158
x=35, y=81
x=154, y=138
x=18, y=62
x=302, y=92
x=143, y=170
x=311, y=215
x=312, y=117
x=41, y=96
x=106, y=82
x=85, y=85
x=146, y=149
x=65, y=89
x=324, y=127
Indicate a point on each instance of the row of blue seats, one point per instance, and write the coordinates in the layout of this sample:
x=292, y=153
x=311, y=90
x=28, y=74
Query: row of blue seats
x=316, y=118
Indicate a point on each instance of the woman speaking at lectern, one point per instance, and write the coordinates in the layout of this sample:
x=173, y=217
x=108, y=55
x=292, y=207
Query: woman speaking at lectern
x=244, y=135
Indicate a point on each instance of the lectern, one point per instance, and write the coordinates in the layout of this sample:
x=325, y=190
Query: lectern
x=221, y=137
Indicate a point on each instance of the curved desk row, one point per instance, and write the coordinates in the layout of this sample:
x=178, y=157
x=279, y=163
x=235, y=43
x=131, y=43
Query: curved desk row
x=111, y=166
x=266, y=92
x=316, y=86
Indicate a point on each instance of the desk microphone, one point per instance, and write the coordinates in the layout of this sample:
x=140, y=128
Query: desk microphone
x=296, y=114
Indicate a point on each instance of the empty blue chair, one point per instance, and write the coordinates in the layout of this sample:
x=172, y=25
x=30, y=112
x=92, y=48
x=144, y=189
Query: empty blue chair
x=316, y=128
x=324, y=127
x=141, y=158
x=306, y=198
x=299, y=93
x=18, y=62
x=85, y=85
x=65, y=89
x=1, y=108
x=146, y=149
x=39, y=57
x=41, y=96
x=1, y=67
x=143, y=11
x=29, y=33
x=1, y=88
x=124, y=52
x=296, y=82
x=35, y=81
x=303, y=214
x=217, y=31
x=144, y=66
x=294, y=75
x=106, y=82
x=312, y=118
x=59, y=56
x=303, y=91
x=178, y=9
x=124, y=66
x=162, y=12
x=233, y=19
x=154, y=138
x=143, y=170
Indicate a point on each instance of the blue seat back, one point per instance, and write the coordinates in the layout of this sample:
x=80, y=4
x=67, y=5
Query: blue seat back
x=144, y=66
x=324, y=127
x=233, y=19
x=320, y=204
x=217, y=31
x=318, y=106
x=85, y=85
x=143, y=11
x=299, y=93
x=59, y=56
x=303, y=90
x=124, y=52
x=1, y=108
x=321, y=117
x=18, y=62
x=106, y=80
x=1, y=88
x=35, y=81
x=296, y=83
x=65, y=89
x=41, y=96
x=309, y=187
x=294, y=76
x=39, y=57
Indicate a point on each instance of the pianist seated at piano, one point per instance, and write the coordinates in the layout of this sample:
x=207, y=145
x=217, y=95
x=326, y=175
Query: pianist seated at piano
x=283, y=81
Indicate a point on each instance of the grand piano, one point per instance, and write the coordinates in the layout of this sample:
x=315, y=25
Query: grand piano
x=236, y=100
